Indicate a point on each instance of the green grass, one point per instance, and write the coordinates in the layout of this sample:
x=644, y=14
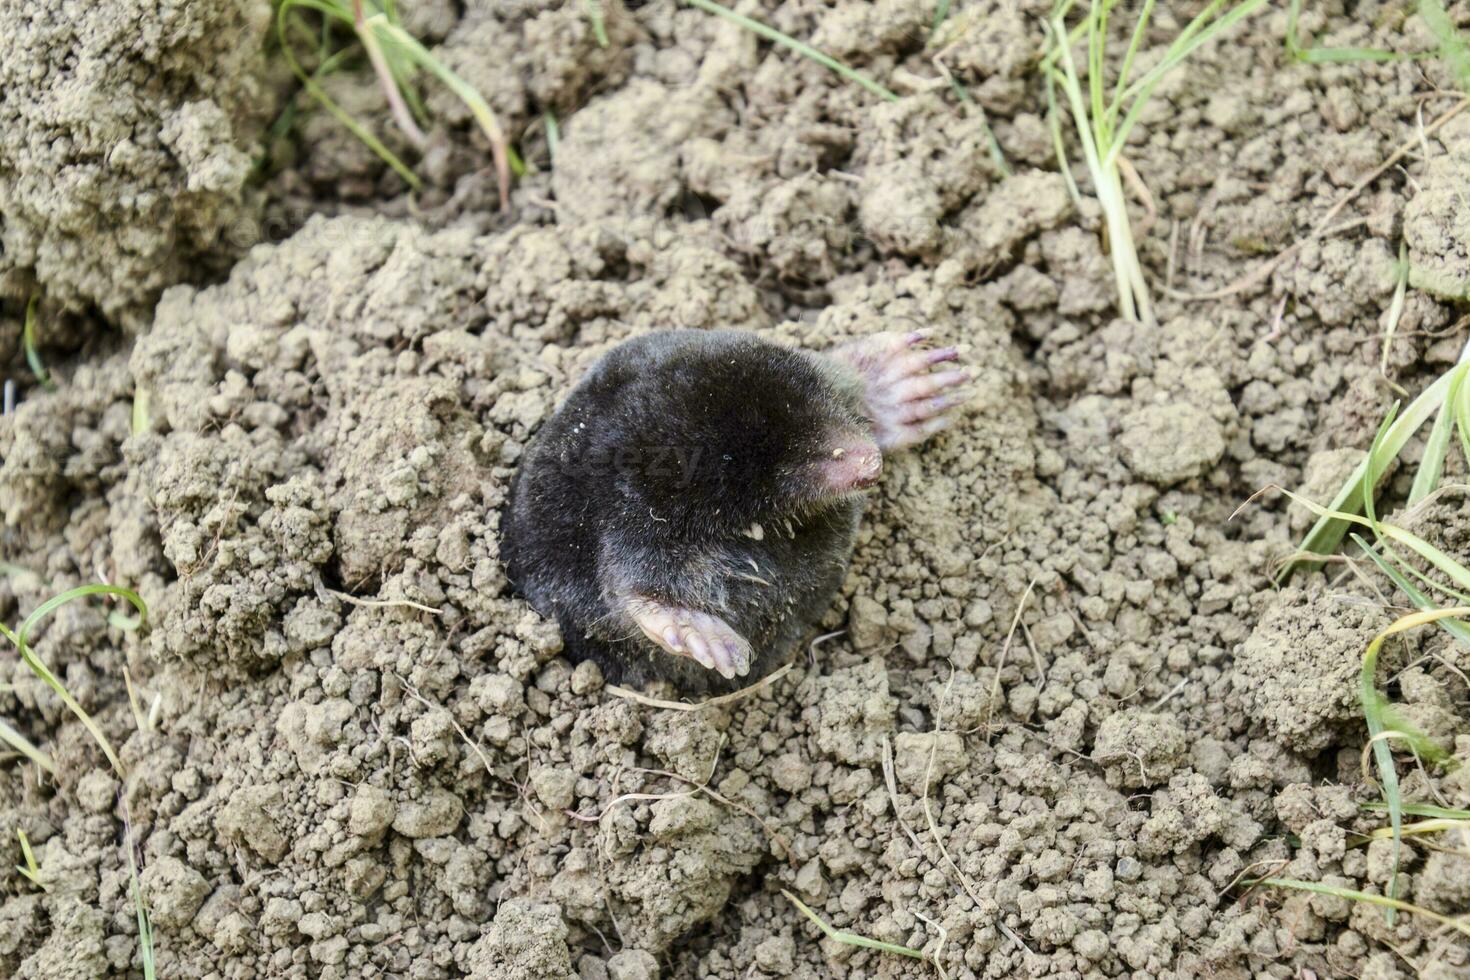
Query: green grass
x=1398, y=552
x=1104, y=117
x=1423, y=810
x=1304, y=51
x=30, y=870
x=1452, y=46
x=140, y=906
x=24, y=746
x=941, y=12
x=800, y=47
x=20, y=638
x=852, y=938
x=599, y=24
x=28, y=344
x=1392, y=904
x=1427, y=575
x=1385, y=723
x=1447, y=401
x=397, y=57
x=1395, y=309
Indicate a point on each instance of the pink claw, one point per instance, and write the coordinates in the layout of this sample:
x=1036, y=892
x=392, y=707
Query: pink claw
x=703, y=637
x=906, y=400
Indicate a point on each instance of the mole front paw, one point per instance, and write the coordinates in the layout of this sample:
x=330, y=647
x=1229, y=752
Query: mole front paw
x=907, y=400
x=704, y=638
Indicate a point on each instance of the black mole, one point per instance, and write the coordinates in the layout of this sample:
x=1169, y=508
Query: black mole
x=690, y=509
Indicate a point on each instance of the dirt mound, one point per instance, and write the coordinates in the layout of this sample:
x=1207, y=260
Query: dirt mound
x=129, y=138
x=1067, y=710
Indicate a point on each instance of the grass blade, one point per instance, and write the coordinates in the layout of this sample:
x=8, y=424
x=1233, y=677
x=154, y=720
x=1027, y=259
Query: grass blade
x=21, y=638
x=1436, y=826
x=1328, y=532
x=1190, y=40
x=851, y=938
x=23, y=745
x=805, y=50
x=1396, y=307
x=1452, y=47
x=1422, y=810
x=30, y=869
x=1431, y=466
x=1323, y=56
x=390, y=80
x=1134, y=43
x=1421, y=601
x=1390, y=903
x=1054, y=123
x=599, y=26
x=940, y=15
x=1462, y=418
x=28, y=342
x=1375, y=707
x=140, y=907
x=326, y=101
x=506, y=161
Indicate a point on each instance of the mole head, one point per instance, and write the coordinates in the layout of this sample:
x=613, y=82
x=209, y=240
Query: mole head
x=749, y=431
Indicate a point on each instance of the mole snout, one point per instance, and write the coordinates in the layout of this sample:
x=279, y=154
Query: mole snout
x=853, y=463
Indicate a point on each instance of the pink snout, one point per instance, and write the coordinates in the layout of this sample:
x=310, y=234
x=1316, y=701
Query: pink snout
x=854, y=462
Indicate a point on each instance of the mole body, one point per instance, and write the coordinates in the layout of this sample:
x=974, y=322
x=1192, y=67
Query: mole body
x=689, y=511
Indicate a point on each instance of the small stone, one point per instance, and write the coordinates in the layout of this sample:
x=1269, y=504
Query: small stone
x=499, y=694
x=527, y=941
x=1167, y=444
x=234, y=933
x=776, y=955
x=809, y=880
x=1128, y=869
x=912, y=754
x=632, y=964
x=435, y=814
x=174, y=891
x=247, y=817
x=371, y=812
x=555, y=788
x=1091, y=944
x=867, y=623
x=791, y=773
x=96, y=791
x=586, y=678
x=1139, y=748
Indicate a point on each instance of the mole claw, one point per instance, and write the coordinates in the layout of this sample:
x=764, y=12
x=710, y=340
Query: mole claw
x=699, y=649
x=737, y=658
x=671, y=637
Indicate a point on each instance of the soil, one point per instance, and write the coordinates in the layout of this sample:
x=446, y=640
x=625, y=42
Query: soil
x=1067, y=710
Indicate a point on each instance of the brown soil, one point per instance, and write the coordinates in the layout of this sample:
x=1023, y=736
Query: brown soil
x=1068, y=711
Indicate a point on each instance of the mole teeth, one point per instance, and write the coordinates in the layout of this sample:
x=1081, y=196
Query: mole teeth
x=755, y=532
x=839, y=452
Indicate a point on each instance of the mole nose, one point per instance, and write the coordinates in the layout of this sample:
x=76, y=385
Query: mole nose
x=854, y=462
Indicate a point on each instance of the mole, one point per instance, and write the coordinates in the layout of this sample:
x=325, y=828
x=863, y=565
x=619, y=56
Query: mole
x=690, y=509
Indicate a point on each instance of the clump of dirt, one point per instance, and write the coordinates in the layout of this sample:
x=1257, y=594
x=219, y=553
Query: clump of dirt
x=1437, y=220
x=1297, y=672
x=1058, y=710
x=130, y=131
